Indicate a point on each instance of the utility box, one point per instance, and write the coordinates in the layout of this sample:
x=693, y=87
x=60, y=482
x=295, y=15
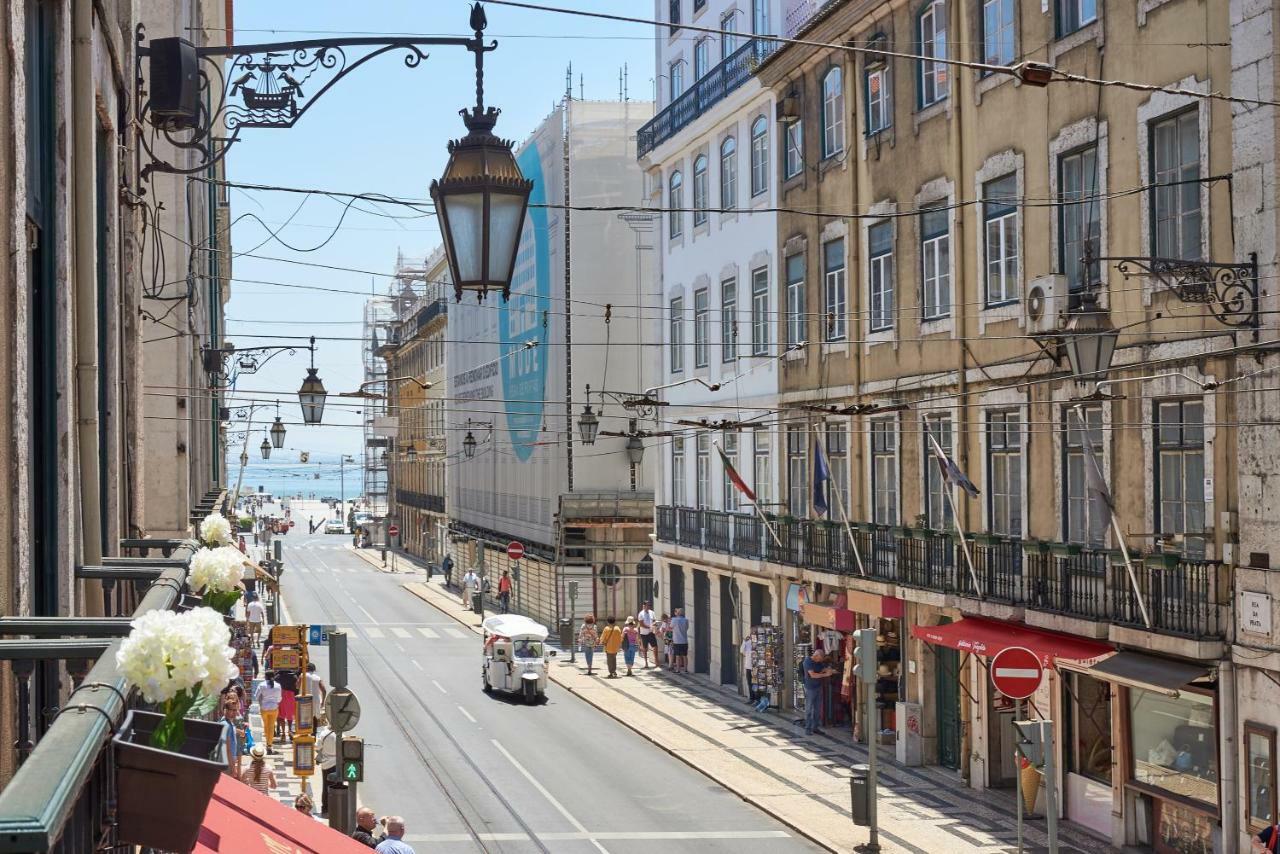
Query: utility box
x=566, y=634
x=860, y=794
x=909, y=746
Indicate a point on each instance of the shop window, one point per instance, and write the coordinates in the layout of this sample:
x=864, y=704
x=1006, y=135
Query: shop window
x=1260, y=742
x=1088, y=747
x=1175, y=743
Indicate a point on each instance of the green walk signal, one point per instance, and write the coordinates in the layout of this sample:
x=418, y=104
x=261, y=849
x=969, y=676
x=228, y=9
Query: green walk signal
x=352, y=758
x=351, y=772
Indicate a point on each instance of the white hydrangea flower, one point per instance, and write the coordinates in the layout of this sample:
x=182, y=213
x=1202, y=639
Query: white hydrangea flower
x=169, y=652
x=216, y=570
x=215, y=530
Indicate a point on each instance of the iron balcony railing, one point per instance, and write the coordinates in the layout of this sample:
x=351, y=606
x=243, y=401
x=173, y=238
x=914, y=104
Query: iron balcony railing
x=712, y=88
x=797, y=14
x=420, y=500
x=1183, y=597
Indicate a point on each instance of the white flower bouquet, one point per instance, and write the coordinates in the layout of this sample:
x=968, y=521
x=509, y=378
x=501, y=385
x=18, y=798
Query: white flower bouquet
x=215, y=575
x=179, y=662
x=215, y=530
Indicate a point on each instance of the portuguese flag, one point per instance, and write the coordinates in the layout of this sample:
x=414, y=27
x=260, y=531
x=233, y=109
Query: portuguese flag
x=735, y=478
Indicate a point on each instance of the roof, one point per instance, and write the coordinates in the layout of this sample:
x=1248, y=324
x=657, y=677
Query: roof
x=515, y=626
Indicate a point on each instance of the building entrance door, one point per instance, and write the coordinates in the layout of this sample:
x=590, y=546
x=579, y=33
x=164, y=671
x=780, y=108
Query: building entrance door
x=947, y=696
x=728, y=649
x=701, y=622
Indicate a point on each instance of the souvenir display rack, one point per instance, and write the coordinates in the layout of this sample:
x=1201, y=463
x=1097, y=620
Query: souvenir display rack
x=766, y=668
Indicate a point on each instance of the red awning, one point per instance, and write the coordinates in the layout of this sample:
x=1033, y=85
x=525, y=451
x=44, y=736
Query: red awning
x=988, y=637
x=242, y=821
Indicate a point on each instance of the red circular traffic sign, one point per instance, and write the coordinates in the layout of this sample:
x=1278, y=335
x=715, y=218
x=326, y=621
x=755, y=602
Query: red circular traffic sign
x=394, y=530
x=291, y=524
x=515, y=549
x=1016, y=672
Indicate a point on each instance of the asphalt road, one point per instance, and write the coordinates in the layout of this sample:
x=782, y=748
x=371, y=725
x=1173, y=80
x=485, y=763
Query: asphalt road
x=474, y=772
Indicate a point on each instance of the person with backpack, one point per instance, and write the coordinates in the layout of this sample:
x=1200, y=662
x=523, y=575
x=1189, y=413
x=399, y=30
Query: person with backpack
x=611, y=639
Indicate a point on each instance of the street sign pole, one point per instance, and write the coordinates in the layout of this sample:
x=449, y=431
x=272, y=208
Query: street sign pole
x=1017, y=760
x=338, y=817
x=1050, y=784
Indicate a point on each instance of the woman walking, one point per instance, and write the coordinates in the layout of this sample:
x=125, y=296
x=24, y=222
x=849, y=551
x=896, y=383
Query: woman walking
x=258, y=775
x=288, y=680
x=611, y=637
x=268, y=695
x=588, y=637
x=630, y=642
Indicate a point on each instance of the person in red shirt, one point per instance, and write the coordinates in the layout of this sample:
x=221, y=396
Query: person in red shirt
x=504, y=591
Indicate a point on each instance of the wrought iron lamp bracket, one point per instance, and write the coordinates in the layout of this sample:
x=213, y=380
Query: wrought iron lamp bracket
x=1230, y=291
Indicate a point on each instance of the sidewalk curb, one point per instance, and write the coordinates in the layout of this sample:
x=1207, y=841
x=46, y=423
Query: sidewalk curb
x=723, y=781
x=375, y=563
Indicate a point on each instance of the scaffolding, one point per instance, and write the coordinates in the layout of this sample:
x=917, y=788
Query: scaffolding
x=379, y=318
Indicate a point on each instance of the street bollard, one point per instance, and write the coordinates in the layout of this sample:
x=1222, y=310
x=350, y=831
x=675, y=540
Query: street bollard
x=860, y=794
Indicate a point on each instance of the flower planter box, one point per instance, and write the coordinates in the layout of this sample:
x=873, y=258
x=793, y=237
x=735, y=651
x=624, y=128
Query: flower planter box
x=162, y=795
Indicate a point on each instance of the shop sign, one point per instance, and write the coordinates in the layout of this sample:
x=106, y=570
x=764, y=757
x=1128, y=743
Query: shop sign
x=875, y=605
x=826, y=617
x=797, y=595
x=1255, y=613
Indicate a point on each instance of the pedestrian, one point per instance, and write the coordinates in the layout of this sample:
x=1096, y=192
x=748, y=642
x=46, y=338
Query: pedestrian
x=258, y=776
x=446, y=567
x=680, y=642
x=304, y=804
x=630, y=643
x=315, y=684
x=504, y=591
x=611, y=638
x=367, y=832
x=231, y=733
x=748, y=660
x=816, y=671
x=588, y=637
x=256, y=613
x=469, y=580
x=288, y=680
x=648, y=637
x=479, y=584
x=326, y=761
x=394, y=843
x=664, y=631
x=268, y=695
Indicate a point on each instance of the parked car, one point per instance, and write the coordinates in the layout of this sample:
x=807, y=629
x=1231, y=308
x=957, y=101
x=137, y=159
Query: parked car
x=335, y=528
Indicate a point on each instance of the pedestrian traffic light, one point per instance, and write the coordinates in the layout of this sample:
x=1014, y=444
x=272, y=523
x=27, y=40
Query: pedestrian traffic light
x=864, y=655
x=1030, y=741
x=352, y=765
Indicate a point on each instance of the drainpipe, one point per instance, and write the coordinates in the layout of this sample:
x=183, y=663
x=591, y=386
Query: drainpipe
x=83, y=113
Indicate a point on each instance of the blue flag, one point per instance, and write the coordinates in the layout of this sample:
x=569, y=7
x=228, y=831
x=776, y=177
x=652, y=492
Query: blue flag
x=821, y=479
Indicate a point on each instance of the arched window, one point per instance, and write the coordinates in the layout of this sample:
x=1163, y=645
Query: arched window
x=759, y=156
x=729, y=173
x=833, y=113
x=675, y=201
x=700, y=190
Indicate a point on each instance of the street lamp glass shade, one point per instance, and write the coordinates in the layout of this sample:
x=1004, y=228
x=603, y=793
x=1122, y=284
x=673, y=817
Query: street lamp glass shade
x=266, y=449
x=588, y=426
x=469, y=446
x=277, y=433
x=481, y=202
x=312, y=396
x=635, y=450
x=1091, y=343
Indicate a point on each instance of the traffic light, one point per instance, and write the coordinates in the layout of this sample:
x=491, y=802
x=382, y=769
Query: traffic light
x=352, y=764
x=1030, y=741
x=864, y=655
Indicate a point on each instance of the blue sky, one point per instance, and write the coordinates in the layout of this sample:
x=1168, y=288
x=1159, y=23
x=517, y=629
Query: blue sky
x=383, y=129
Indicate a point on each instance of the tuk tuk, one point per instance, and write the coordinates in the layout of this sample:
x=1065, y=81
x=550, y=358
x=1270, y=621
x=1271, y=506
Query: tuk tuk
x=516, y=657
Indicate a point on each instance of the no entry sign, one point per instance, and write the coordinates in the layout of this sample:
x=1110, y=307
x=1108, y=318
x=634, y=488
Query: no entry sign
x=394, y=531
x=515, y=549
x=1016, y=672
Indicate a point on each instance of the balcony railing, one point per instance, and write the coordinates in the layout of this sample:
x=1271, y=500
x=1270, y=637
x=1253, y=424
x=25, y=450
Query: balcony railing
x=420, y=500
x=711, y=89
x=1183, y=597
x=798, y=13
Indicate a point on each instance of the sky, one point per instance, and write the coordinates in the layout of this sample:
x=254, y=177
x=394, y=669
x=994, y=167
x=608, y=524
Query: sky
x=383, y=129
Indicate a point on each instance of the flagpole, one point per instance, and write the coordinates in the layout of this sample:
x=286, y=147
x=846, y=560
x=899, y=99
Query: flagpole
x=1128, y=565
x=834, y=487
x=955, y=515
x=754, y=502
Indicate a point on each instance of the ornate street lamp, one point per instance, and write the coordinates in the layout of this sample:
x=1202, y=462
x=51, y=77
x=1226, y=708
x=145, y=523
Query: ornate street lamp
x=469, y=445
x=1090, y=340
x=266, y=449
x=277, y=433
x=635, y=450
x=482, y=197
x=312, y=394
x=588, y=422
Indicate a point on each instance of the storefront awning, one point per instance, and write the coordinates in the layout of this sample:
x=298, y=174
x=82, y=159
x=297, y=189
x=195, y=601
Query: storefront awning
x=242, y=821
x=1148, y=672
x=988, y=637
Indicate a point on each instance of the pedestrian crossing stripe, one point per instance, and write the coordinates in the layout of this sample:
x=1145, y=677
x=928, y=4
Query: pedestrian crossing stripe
x=454, y=633
x=400, y=633
x=427, y=633
x=373, y=633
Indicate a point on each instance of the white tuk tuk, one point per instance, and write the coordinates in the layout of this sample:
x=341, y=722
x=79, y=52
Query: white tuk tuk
x=516, y=656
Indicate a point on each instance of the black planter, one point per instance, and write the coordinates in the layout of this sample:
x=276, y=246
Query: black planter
x=162, y=795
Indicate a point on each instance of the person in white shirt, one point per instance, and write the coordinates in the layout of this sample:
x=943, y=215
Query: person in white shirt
x=256, y=613
x=469, y=581
x=748, y=661
x=648, y=638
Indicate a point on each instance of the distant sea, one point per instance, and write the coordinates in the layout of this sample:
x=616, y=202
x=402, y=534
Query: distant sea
x=290, y=478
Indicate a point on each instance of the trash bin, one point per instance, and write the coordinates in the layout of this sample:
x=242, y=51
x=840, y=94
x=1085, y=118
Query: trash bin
x=566, y=634
x=338, y=807
x=860, y=794
x=477, y=602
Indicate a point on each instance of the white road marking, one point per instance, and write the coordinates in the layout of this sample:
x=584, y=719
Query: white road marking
x=372, y=619
x=400, y=633
x=438, y=685
x=352, y=569
x=453, y=633
x=644, y=835
x=399, y=647
x=415, y=663
x=466, y=714
x=372, y=632
x=551, y=799
x=303, y=570
x=427, y=633
x=1017, y=672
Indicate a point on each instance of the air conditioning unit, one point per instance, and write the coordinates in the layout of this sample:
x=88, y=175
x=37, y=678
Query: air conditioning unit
x=1045, y=305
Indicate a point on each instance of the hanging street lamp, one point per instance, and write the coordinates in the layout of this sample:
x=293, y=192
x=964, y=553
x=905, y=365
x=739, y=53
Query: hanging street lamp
x=482, y=197
x=277, y=433
x=1090, y=340
x=266, y=449
x=469, y=445
x=635, y=450
x=588, y=422
x=312, y=394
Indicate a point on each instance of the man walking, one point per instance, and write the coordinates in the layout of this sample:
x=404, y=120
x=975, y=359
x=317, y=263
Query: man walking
x=748, y=660
x=446, y=567
x=504, y=591
x=394, y=843
x=611, y=638
x=648, y=637
x=816, y=670
x=366, y=832
x=680, y=642
x=469, y=580
x=256, y=614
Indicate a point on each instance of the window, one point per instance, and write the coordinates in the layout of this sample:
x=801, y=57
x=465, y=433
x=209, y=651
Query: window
x=934, y=75
x=795, y=299
x=674, y=15
x=1079, y=224
x=879, y=99
x=701, y=327
x=760, y=311
x=1004, y=472
x=728, y=320
x=937, y=507
x=837, y=447
x=1260, y=782
x=833, y=290
x=698, y=5
x=759, y=156
x=675, y=201
x=1086, y=515
x=700, y=190
x=677, y=335
x=676, y=78
x=760, y=17
x=1175, y=201
x=1000, y=225
x=702, y=471
x=798, y=469
x=728, y=34
x=729, y=174
x=1175, y=743
x=884, y=472
x=761, y=481
x=880, y=275
x=701, y=58
x=1074, y=14
x=677, y=472
x=998, y=32
x=833, y=113
x=935, y=263
x=1179, y=470
x=730, y=448
x=793, y=149
x=1087, y=737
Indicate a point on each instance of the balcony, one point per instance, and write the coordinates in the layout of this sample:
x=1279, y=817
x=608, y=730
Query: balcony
x=711, y=89
x=1183, y=597
x=420, y=500
x=800, y=13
